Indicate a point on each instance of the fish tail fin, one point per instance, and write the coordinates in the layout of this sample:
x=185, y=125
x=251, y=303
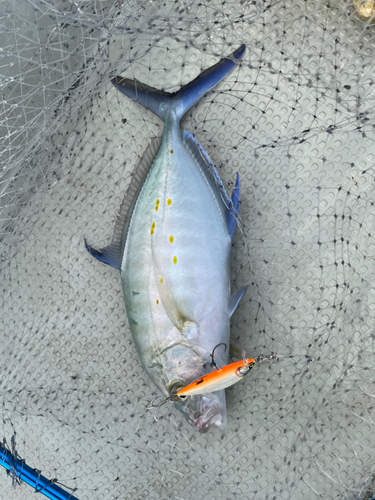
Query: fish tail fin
x=156, y=100
x=190, y=94
x=149, y=97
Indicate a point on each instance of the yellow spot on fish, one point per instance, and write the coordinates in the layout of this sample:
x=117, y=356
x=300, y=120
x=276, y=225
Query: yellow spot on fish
x=171, y=239
x=161, y=280
x=157, y=301
x=152, y=228
x=171, y=151
x=157, y=201
x=157, y=205
x=174, y=260
x=169, y=201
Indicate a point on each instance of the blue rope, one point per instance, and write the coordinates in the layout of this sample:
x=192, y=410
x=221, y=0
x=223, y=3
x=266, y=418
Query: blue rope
x=19, y=470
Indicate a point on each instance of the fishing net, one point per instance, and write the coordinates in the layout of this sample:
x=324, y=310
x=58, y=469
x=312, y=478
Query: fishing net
x=296, y=120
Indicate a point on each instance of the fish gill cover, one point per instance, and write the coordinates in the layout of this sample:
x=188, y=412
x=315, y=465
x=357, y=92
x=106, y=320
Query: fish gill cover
x=296, y=119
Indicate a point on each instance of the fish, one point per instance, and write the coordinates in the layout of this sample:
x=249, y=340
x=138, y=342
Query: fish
x=172, y=245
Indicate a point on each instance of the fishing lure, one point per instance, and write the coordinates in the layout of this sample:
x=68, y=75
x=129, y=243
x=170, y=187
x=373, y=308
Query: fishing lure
x=221, y=378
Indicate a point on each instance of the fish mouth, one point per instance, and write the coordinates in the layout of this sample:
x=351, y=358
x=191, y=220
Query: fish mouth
x=203, y=412
x=202, y=424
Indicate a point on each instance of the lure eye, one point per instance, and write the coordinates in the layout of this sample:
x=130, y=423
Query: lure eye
x=182, y=397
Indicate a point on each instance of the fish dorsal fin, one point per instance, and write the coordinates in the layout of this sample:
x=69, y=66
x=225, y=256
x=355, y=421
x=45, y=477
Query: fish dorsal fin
x=208, y=170
x=112, y=254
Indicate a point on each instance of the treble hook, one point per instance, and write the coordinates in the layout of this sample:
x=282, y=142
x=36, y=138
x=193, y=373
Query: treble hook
x=213, y=352
x=152, y=406
x=159, y=405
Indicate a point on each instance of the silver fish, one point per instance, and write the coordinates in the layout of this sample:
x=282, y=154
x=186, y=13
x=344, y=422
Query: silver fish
x=172, y=245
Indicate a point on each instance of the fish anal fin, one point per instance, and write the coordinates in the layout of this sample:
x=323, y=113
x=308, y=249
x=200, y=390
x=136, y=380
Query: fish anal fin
x=112, y=254
x=109, y=255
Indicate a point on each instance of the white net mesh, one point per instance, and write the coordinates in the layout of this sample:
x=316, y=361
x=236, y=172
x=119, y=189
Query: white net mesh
x=296, y=120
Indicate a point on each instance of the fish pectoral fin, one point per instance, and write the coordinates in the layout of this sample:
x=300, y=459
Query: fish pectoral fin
x=177, y=309
x=236, y=299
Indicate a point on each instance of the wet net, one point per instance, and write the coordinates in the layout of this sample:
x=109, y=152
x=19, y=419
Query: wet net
x=296, y=119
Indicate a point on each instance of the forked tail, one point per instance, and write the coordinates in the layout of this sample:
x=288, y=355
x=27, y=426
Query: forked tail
x=156, y=100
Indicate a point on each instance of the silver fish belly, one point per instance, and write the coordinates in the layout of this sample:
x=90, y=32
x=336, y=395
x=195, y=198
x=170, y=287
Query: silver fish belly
x=173, y=251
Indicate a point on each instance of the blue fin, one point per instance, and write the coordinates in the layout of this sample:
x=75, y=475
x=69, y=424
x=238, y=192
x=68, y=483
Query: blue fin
x=109, y=255
x=234, y=208
x=231, y=207
x=208, y=169
x=187, y=96
x=236, y=299
x=112, y=254
x=149, y=97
